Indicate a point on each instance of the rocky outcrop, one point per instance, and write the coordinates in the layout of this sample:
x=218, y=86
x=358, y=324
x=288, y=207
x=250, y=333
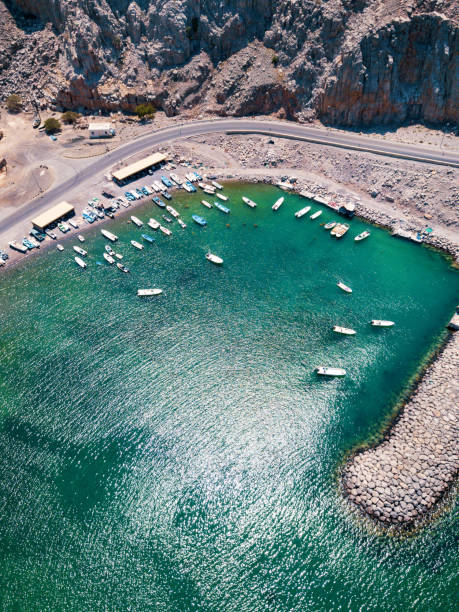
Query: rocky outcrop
x=348, y=62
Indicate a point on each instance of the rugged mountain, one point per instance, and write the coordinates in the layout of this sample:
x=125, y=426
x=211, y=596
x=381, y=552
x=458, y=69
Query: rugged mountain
x=349, y=62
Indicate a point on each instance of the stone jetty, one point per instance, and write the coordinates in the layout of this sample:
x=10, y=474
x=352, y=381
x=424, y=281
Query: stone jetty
x=399, y=481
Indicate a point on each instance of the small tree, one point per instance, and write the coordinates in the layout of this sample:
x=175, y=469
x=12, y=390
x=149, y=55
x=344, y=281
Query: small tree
x=275, y=60
x=145, y=111
x=70, y=117
x=14, y=103
x=52, y=125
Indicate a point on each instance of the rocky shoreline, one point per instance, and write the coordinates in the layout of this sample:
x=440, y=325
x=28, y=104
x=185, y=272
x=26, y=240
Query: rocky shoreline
x=400, y=481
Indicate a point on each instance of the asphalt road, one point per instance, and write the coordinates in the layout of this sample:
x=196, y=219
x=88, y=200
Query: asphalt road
x=291, y=130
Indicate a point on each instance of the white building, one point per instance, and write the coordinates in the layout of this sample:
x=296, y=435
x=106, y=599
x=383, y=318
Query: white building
x=101, y=130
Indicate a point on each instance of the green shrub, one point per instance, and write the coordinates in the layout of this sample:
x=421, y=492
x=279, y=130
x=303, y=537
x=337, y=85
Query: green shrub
x=52, y=125
x=14, y=103
x=145, y=111
x=70, y=117
x=275, y=60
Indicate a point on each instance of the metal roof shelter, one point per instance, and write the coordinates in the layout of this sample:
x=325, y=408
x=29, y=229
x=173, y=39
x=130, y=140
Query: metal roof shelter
x=140, y=166
x=53, y=214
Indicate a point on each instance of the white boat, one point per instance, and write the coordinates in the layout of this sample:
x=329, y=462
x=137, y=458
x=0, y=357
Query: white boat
x=323, y=371
x=165, y=230
x=339, y=230
x=171, y=210
x=59, y=247
x=284, y=186
x=177, y=180
x=249, y=202
x=215, y=259
x=362, y=236
x=380, y=323
x=73, y=224
x=109, y=235
x=278, y=203
x=344, y=330
x=209, y=191
x=118, y=256
x=153, y=224
x=108, y=258
x=80, y=251
x=148, y=292
x=191, y=177
x=330, y=225
x=217, y=185
x=155, y=187
x=316, y=214
x=187, y=188
x=344, y=287
x=222, y=197
x=160, y=186
x=80, y=238
x=206, y=203
x=80, y=262
x=137, y=221
x=137, y=245
x=181, y=223
x=302, y=212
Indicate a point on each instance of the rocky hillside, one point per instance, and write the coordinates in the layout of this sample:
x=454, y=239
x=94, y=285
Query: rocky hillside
x=347, y=62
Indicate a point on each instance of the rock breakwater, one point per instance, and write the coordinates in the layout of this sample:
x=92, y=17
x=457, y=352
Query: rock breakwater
x=401, y=480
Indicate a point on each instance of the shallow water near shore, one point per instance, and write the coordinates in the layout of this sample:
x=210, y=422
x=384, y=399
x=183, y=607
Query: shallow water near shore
x=179, y=453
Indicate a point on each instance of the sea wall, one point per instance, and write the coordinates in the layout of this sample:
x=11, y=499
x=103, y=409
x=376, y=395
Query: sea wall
x=400, y=481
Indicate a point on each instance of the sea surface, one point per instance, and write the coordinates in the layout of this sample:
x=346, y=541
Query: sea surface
x=179, y=453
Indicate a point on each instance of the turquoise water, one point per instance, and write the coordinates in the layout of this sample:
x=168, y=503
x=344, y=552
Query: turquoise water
x=179, y=453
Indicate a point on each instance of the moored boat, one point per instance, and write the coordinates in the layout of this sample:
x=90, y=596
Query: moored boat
x=137, y=245
x=217, y=185
x=222, y=197
x=339, y=230
x=220, y=206
x=344, y=330
x=181, y=223
x=122, y=268
x=344, y=287
x=249, y=202
x=137, y=221
x=199, y=220
x=148, y=238
x=302, y=212
x=215, y=259
x=316, y=214
x=171, y=210
x=278, y=203
x=381, y=323
x=362, y=236
x=109, y=235
x=18, y=247
x=59, y=247
x=108, y=258
x=153, y=224
x=324, y=371
x=209, y=190
x=80, y=251
x=206, y=203
x=148, y=292
x=330, y=225
x=80, y=262
x=109, y=250
x=80, y=238
x=165, y=230
x=159, y=202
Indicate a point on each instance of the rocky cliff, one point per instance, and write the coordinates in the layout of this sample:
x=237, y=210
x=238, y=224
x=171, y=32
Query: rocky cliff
x=348, y=62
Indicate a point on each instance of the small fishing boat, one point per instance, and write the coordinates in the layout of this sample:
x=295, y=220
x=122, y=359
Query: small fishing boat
x=165, y=230
x=59, y=247
x=80, y=238
x=108, y=258
x=167, y=195
x=109, y=235
x=199, y=220
x=339, y=230
x=80, y=251
x=181, y=223
x=316, y=214
x=209, y=191
x=153, y=224
x=80, y=262
x=344, y=330
x=381, y=323
x=167, y=219
x=249, y=202
x=118, y=256
x=51, y=234
x=148, y=238
x=362, y=236
x=19, y=247
x=278, y=203
x=302, y=212
x=206, y=203
x=323, y=371
x=171, y=210
x=330, y=225
x=188, y=187
x=217, y=185
x=344, y=287
x=28, y=243
x=73, y=224
x=215, y=259
x=191, y=177
x=222, y=197
x=159, y=202
x=177, y=180
x=137, y=221
x=148, y=292
x=221, y=207
x=137, y=245
x=109, y=250
x=121, y=267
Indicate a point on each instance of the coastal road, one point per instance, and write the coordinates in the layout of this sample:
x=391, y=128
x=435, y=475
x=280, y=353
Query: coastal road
x=342, y=139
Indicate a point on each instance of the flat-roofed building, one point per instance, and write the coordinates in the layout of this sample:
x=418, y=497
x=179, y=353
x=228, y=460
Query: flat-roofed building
x=142, y=165
x=101, y=130
x=63, y=210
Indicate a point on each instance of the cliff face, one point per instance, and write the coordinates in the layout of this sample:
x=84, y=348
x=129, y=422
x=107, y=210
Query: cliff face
x=346, y=61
